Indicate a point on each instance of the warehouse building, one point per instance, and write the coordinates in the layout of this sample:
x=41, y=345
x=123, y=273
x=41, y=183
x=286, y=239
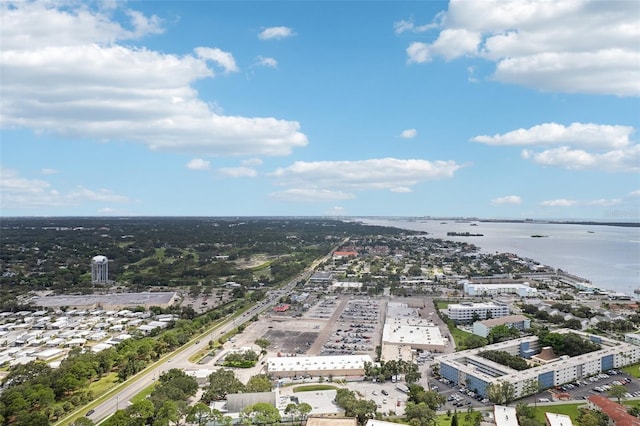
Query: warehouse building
x=314, y=366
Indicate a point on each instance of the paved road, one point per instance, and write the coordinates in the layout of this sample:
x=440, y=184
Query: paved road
x=180, y=359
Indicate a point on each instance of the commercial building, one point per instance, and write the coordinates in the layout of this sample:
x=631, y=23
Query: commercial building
x=478, y=373
x=482, y=328
x=467, y=312
x=314, y=366
x=489, y=290
x=405, y=333
x=633, y=338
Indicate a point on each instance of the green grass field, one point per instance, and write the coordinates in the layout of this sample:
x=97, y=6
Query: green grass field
x=313, y=388
x=632, y=370
x=570, y=410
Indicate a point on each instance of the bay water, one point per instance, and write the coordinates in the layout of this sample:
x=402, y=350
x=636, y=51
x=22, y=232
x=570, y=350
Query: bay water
x=607, y=256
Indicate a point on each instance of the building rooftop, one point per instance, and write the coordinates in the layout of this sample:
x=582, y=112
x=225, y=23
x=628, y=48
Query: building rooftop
x=504, y=320
x=615, y=411
x=554, y=419
x=505, y=416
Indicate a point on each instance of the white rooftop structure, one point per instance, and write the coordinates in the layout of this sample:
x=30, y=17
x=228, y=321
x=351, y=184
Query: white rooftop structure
x=412, y=331
x=554, y=419
x=317, y=363
x=505, y=416
x=521, y=289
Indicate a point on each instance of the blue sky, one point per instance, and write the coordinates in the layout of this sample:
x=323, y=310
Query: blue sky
x=495, y=109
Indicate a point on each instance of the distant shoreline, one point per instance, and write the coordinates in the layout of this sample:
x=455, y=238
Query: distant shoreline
x=566, y=222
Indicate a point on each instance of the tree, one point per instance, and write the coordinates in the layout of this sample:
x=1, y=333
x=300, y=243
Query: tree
x=454, y=420
x=501, y=393
x=588, y=417
x=221, y=383
x=473, y=341
x=200, y=414
x=261, y=413
x=617, y=392
x=412, y=376
x=82, y=421
x=263, y=343
x=259, y=383
x=419, y=414
x=531, y=387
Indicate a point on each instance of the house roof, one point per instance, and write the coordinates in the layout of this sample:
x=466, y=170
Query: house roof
x=615, y=411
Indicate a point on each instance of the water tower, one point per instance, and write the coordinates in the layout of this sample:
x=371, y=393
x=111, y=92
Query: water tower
x=99, y=270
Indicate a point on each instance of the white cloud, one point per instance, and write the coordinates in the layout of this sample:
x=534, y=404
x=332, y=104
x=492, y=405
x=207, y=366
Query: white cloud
x=220, y=57
x=588, y=135
x=509, y=199
x=198, y=164
x=237, y=172
x=409, y=134
x=635, y=193
x=249, y=162
x=310, y=195
x=622, y=160
x=275, y=33
x=400, y=189
x=606, y=147
x=559, y=203
x=336, y=211
x=581, y=46
x=604, y=202
x=267, y=62
x=383, y=173
x=409, y=25
x=49, y=171
x=64, y=73
x=20, y=192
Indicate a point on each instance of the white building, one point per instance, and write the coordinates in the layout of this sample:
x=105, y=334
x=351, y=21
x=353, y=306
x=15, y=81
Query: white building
x=99, y=270
x=505, y=416
x=633, y=338
x=478, y=373
x=554, y=419
x=335, y=365
x=467, y=312
x=482, y=328
x=489, y=290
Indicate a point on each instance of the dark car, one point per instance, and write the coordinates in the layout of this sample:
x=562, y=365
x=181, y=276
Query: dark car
x=90, y=412
x=384, y=392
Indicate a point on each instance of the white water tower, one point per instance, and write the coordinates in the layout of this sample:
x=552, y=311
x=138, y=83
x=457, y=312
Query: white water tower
x=99, y=270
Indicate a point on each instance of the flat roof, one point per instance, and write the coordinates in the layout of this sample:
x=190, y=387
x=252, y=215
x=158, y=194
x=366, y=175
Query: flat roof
x=412, y=331
x=505, y=416
x=554, y=419
x=311, y=363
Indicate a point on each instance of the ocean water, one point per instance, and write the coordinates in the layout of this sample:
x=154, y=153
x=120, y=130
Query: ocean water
x=608, y=256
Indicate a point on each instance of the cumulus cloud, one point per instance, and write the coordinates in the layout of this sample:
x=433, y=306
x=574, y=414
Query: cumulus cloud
x=635, y=193
x=249, y=162
x=267, y=62
x=509, y=199
x=559, y=203
x=409, y=134
x=582, y=146
x=531, y=45
x=198, y=164
x=579, y=134
x=400, y=189
x=21, y=192
x=374, y=174
x=65, y=72
x=220, y=57
x=622, y=160
x=310, y=195
x=275, y=33
x=237, y=172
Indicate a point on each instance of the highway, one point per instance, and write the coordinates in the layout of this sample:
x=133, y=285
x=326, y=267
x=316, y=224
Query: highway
x=180, y=358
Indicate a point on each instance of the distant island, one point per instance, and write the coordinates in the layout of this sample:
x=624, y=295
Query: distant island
x=463, y=234
x=539, y=236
